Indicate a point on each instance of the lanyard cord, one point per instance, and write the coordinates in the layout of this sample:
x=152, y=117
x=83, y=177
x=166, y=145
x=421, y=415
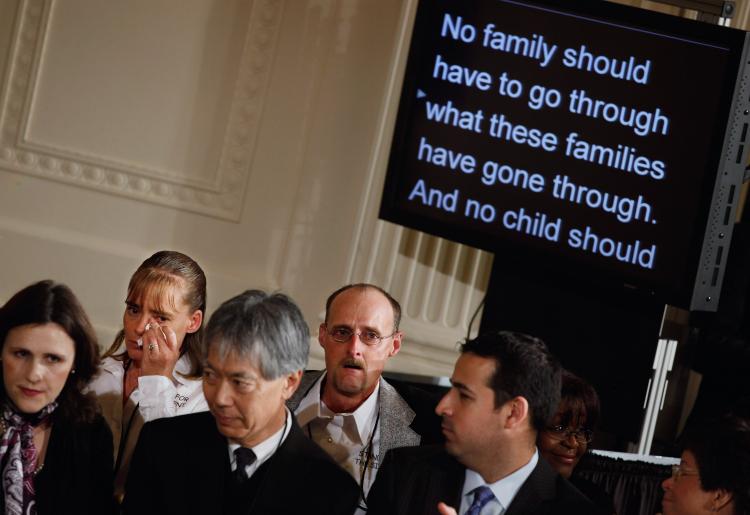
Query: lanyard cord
x=124, y=434
x=124, y=438
x=368, y=454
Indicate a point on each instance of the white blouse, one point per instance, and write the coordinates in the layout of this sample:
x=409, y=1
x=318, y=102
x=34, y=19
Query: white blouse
x=155, y=397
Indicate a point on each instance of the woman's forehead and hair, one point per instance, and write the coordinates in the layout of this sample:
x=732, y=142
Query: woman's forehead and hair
x=42, y=303
x=721, y=447
x=266, y=329
x=579, y=403
x=169, y=279
x=48, y=302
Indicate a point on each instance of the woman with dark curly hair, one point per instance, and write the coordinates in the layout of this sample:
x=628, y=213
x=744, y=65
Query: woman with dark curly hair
x=714, y=472
x=571, y=429
x=568, y=434
x=55, y=451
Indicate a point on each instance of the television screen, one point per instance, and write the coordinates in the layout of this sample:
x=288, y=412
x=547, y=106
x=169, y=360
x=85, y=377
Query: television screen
x=587, y=136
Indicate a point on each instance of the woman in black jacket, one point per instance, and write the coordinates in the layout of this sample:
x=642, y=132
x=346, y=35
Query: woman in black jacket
x=55, y=450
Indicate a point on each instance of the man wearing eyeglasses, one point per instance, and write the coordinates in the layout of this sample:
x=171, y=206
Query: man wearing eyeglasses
x=505, y=386
x=349, y=409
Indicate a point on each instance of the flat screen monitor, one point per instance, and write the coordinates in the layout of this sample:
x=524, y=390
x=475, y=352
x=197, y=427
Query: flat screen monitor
x=600, y=140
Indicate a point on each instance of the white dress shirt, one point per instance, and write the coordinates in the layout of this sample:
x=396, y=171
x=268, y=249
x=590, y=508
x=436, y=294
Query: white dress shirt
x=345, y=437
x=265, y=449
x=505, y=489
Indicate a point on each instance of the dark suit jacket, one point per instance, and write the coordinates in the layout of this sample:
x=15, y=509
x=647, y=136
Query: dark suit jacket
x=407, y=414
x=77, y=474
x=181, y=465
x=412, y=481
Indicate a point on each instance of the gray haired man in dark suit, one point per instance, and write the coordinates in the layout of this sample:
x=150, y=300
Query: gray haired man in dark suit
x=247, y=455
x=348, y=408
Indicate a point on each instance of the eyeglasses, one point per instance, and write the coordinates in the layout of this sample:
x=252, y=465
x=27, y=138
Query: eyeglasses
x=344, y=334
x=563, y=433
x=678, y=471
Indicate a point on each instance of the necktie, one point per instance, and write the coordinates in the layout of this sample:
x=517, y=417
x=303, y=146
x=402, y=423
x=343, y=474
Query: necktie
x=244, y=457
x=482, y=495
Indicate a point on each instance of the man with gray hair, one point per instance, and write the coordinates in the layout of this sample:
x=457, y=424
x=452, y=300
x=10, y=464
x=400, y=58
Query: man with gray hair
x=248, y=455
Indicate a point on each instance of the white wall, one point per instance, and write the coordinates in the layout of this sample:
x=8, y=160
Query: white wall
x=249, y=134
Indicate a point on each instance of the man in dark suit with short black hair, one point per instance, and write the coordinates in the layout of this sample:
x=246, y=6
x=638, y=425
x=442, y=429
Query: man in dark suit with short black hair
x=248, y=455
x=505, y=386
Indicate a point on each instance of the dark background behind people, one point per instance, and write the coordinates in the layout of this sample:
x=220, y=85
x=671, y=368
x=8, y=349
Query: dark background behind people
x=714, y=472
x=607, y=337
x=721, y=342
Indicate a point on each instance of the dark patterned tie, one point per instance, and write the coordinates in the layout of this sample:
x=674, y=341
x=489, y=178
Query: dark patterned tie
x=482, y=496
x=245, y=457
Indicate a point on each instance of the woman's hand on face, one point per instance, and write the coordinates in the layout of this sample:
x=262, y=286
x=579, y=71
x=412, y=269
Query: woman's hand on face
x=160, y=350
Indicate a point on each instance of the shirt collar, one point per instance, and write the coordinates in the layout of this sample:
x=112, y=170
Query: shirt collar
x=112, y=366
x=265, y=449
x=181, y=369
x=312, y=407
x=504, y=489
x=309, y=407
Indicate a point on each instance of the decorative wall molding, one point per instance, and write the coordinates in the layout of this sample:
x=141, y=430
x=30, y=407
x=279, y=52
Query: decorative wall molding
x=221, y=195
x=440, y=285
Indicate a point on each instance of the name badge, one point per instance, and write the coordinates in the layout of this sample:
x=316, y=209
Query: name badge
x=180, y=400
x=372, y=463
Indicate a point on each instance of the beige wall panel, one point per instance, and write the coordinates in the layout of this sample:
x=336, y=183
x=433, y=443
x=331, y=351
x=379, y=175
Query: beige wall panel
x=74, y=206
x=344, y=58
x=139, y=99
x=7, y=16
x=175, y=114
x=109, y=112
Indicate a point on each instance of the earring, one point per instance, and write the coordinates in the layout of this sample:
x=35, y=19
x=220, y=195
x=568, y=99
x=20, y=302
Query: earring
x=73, y=371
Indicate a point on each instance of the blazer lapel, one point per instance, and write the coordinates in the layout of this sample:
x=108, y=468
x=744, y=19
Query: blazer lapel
x=216, y=466
x=395, y=419
x=282, y=467
x=446, y=484
x=538, y=488
x=395, y=414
